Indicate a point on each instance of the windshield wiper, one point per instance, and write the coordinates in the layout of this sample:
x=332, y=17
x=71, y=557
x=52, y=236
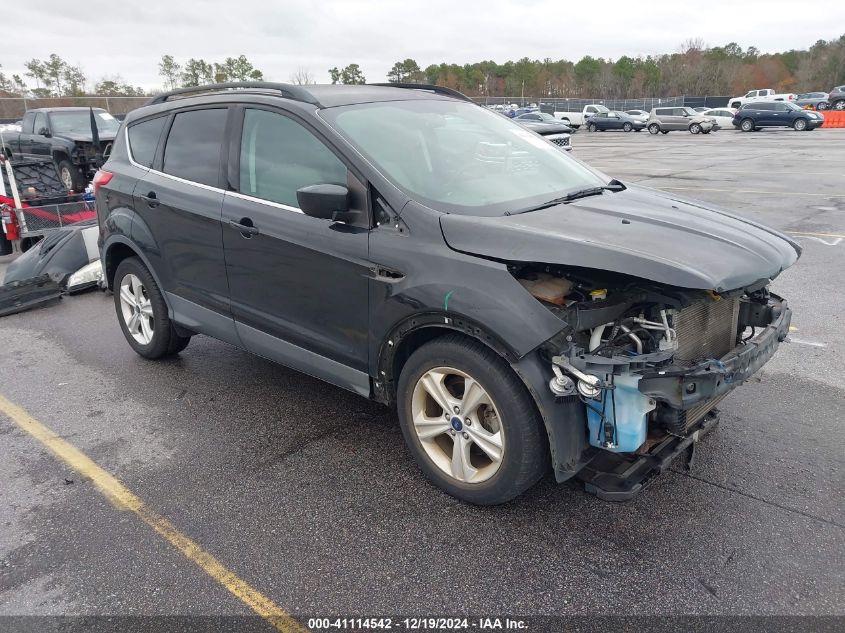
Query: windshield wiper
x=614, y=186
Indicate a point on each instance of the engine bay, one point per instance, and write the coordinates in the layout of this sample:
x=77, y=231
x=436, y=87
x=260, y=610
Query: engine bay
x=624, y=335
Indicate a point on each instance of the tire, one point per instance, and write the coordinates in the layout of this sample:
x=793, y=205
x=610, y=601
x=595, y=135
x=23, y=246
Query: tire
x=838, y=105
x=158, y=338
x=706, y=131
x=799, y=125
x=70, y=175
x=653, y=128
x=823, y=105
x=591, y=127
x=664, y=131
x=627, y=127
x=746, y=125
x=511, y=417
x=695, y=128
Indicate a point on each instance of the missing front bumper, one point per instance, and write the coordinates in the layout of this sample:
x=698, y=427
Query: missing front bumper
x=689, y=387
x=620, y=476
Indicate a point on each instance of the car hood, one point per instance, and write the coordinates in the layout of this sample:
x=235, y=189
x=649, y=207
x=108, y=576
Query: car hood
x=639, y=232
x=541, y=127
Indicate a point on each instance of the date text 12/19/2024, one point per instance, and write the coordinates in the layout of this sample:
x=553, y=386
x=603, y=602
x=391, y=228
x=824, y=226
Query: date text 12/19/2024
x=418, y=624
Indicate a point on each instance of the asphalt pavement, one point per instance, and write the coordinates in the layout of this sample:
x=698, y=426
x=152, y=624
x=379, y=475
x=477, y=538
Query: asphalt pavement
x=307, y=493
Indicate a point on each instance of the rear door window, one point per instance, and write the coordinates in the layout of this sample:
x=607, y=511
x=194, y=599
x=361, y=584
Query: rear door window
x=194, y=146
x=143, y=140
x=279, y=156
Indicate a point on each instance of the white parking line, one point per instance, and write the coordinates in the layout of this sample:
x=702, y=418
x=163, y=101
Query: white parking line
x=799, y=341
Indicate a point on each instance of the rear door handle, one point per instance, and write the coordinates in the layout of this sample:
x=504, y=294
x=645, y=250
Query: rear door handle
x=247, y=230
x=152, y=199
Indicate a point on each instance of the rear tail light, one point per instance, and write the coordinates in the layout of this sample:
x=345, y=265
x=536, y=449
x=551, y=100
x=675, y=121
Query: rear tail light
x=102, y=177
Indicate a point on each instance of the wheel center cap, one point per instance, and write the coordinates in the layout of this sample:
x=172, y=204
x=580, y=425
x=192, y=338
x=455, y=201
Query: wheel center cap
x=457, y=424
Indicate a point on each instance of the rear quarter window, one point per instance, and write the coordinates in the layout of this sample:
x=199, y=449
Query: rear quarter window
x=194, y=145
x=143, y=140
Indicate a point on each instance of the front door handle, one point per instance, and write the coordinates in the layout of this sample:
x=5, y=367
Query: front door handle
x=245, y=226
x=152, y=199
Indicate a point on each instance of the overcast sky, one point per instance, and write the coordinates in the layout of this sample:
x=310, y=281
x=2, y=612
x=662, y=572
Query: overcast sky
x=129, y=37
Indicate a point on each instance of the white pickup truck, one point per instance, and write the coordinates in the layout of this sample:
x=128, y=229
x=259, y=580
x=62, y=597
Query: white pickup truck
x=578, y=118
x=766, y=94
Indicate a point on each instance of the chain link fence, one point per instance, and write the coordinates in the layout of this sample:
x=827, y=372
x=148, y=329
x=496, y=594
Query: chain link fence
x=12, y=108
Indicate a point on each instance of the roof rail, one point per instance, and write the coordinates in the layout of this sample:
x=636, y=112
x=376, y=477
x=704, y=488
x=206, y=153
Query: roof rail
x=288, y=91
x=441, y=90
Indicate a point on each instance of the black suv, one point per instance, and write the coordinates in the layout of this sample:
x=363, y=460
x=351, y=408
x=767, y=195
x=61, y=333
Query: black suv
x=519, y=309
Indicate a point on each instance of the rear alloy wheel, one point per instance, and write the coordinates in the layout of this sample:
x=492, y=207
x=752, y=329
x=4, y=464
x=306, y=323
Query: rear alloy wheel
x=591, y=127
x=695, y=128
x=142, y=312
x=627, y=127
x=469, y=421
x=654, y=128
x=822, y=105
x=800, y=125
x=838, y=105
x=747, y=125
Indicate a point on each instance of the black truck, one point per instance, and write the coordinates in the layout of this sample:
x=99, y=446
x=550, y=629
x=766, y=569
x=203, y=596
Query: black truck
x=63, y=134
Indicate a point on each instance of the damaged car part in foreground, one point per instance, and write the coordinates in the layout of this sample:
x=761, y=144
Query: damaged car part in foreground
x=65, y=261
x=518, y=308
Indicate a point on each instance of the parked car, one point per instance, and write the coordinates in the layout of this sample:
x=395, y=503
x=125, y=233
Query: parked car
x=814, y=100
x=577, y=118
x=638, y=115
x=667, y=119
x=836, y=98
x=754, y=116
x=701, y=109
x=548, y=127
x=63, y=134
x=614, y=121
x=767, y=94
x=518, y=308
x=722, y=116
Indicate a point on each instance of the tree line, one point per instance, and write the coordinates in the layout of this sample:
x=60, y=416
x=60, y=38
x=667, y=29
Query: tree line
x=694, y=69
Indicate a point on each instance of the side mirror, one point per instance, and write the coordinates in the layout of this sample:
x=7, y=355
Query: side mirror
x=44, y=132
x=326, y=202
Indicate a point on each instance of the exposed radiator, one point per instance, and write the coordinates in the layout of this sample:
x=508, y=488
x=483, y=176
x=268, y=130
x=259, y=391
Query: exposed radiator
x=706, y=330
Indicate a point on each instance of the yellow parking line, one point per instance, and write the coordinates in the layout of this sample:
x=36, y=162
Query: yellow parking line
x=839, y=235
x=122, y=497
x=774, y=193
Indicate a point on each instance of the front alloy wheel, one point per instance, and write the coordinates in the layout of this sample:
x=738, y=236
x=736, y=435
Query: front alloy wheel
x=137, y=310
x=747, y=125
x=800, y=125
x=654, y=128
x=458, y=425
x=470, y=422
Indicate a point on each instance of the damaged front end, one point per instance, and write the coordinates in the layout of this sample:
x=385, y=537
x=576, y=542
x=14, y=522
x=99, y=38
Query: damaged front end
x=646, y=363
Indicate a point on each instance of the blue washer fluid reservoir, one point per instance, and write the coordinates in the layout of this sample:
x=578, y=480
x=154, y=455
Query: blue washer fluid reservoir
x=632, y=408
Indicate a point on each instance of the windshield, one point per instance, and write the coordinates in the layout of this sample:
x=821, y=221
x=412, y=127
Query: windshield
x=458, y=157
x=547, y=117
x=79, y=122
x=792, y=106
x=690, y=111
